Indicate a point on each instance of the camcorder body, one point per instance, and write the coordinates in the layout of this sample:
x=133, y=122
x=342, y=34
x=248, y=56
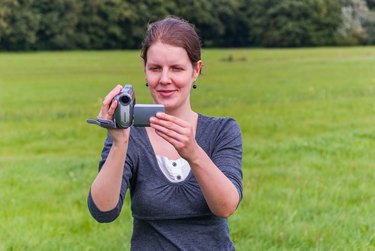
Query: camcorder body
x=125, y=107
x=129, y=113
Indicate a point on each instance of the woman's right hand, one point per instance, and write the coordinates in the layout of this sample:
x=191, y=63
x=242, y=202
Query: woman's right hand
x=119, y=136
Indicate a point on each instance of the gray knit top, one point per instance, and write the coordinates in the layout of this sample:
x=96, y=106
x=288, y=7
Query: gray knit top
x=175, y=216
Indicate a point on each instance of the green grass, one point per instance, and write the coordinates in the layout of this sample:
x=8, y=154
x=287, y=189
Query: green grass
x=308, y=123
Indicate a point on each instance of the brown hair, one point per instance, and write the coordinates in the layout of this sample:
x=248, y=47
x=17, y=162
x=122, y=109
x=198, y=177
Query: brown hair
x=176, y=32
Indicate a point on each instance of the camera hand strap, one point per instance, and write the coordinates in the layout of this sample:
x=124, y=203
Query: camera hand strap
x=109, y=124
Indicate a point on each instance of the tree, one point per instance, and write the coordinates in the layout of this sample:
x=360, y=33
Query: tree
x=19, y=29
x=289, y=23
x=99, y=24
x=370, y=4
x=56, y=29
x=5, y=13
x=235, y=26
x=119, y=24
x=354, y=13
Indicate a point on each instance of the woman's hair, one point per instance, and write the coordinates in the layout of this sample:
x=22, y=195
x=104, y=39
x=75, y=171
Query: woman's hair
x=176, y=32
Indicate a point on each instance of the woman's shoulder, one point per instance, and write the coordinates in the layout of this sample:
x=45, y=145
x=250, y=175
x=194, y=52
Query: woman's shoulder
x=218, y=124
x=218, y=121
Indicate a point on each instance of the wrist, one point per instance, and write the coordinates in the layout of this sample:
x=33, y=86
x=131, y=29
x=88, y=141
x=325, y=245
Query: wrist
x=120, y=137
x=119, y=149
x=119, y=144
x=196, y=157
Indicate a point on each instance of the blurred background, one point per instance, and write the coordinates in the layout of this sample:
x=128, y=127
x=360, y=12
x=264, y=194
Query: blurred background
x=297, y=75
x=120, y=24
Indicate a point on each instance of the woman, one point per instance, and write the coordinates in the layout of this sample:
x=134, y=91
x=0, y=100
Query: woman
x=184, y=171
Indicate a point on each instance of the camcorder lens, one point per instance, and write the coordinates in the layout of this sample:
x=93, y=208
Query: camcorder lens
x=125, y=100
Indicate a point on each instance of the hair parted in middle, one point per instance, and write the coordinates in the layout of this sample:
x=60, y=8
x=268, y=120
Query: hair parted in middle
x=176, y=32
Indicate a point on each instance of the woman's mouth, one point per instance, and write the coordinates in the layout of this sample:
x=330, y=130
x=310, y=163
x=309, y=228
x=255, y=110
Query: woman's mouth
x=166, y=93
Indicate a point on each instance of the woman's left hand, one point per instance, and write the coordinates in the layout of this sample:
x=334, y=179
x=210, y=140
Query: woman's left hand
x=177, y=132
x=220, y=193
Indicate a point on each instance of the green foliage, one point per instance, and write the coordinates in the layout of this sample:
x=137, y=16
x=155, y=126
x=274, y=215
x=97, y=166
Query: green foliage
x=290, y=23
x=119, y=24
x=369, y=25
x=20, y=24
x=99, y=25
x=111, y=24
x=307, y=118
x=355, y=16
x=220, y=23
x=370, y=4
x=5, y=12
x=57, y=27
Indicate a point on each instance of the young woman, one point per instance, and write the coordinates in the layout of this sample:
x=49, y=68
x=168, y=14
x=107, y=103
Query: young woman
x=184, y=171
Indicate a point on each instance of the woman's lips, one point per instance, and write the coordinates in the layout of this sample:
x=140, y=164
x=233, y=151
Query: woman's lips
x=166, y=93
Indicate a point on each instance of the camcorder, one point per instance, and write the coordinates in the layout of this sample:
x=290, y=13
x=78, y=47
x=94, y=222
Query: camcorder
x=129, y=113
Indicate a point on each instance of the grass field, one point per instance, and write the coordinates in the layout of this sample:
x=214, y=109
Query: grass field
x=308, y=123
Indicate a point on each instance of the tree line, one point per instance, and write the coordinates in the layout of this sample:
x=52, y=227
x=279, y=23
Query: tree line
x=120, y=24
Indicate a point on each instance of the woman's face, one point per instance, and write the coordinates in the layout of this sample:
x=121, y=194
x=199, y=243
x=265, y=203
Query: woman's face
x=170, y=75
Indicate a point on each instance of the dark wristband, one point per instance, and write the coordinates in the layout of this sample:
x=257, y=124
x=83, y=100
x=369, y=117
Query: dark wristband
x=109, y=124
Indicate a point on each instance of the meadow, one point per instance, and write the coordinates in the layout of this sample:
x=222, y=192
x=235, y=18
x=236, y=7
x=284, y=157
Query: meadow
x=308, y=123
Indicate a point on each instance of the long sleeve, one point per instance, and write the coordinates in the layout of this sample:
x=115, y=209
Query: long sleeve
x=227, y=152
x=111, y=215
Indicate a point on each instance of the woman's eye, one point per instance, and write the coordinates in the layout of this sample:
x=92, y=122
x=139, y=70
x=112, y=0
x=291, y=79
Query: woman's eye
x=154, y=68
x=177, y=69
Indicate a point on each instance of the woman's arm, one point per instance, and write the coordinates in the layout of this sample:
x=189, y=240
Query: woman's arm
x=220, y=193
x=106, y=187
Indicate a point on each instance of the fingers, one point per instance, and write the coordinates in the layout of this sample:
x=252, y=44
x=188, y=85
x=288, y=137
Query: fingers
x=169, y=134
x=108, y=99
x=171, y=120
x=108, y=107
x=169, y=125
x=172, y=128
x=177, y=132
x=112, y=108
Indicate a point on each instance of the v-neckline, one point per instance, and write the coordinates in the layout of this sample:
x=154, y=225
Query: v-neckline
x=152, y=147
x=155, y=161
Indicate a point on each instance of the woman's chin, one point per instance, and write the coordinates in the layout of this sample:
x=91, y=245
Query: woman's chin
x=166, y=103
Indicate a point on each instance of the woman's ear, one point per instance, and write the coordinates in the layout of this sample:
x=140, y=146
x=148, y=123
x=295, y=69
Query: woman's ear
x=197, y=69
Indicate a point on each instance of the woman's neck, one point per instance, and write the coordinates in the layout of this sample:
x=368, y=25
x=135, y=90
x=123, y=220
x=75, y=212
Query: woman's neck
x=186, y=114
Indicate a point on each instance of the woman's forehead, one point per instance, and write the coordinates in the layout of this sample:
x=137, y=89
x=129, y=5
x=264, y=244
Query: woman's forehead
x=162, y=52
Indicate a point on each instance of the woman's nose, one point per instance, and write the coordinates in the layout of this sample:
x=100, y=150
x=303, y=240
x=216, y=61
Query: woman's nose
x=165, y=78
